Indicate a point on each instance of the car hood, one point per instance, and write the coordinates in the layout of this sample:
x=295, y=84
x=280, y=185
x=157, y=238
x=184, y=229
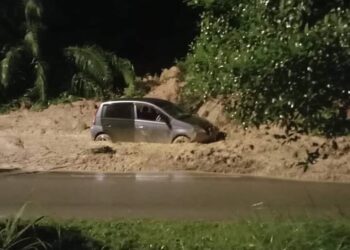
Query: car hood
x=196, y=120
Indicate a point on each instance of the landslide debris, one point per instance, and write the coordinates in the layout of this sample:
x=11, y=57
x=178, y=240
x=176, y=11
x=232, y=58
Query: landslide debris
x=58, y=138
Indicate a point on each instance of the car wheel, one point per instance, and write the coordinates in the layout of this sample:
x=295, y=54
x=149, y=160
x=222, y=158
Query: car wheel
x=103, y=137
x=182, y=139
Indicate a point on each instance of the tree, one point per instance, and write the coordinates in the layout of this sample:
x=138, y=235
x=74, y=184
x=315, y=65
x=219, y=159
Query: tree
x=12, y=69
x=25, y=58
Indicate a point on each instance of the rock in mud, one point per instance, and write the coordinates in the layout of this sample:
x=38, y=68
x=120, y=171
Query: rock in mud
x=102, y=150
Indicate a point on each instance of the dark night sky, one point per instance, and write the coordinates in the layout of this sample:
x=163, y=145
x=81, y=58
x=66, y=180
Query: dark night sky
x=151, y=33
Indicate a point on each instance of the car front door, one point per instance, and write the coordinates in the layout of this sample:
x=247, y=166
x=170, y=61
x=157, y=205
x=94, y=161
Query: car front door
x=151, y=125
x=118, y=121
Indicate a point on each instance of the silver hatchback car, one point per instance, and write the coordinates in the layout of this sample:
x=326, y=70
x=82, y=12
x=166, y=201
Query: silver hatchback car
x=149, y=120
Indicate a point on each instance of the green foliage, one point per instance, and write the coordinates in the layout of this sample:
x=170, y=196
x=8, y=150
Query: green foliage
x=24, y=63
x=40, y=80
x=8, y=66
x=94, y=74
x=99, y=73
x=276, y=61
x=91, y=61
x=123, y=68
x=12, y=234
x=32, y=43
x=29, y=46
x=33, y=11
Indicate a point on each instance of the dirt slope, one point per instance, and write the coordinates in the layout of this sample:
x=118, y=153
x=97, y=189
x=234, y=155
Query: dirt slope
x=167, y=86
x=58, y=139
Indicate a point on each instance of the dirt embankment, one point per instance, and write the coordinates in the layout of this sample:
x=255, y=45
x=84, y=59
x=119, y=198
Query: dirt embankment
x=58, y=139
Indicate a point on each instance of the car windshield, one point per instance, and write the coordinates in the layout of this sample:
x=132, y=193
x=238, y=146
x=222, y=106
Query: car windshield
x=173, y=110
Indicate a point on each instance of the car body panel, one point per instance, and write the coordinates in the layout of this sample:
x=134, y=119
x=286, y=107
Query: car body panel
x=119, y=129
x=164, y=129
x=149, y=131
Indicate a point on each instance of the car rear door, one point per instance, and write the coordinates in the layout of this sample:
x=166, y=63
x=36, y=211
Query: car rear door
x=151, y=124
x=118, y=121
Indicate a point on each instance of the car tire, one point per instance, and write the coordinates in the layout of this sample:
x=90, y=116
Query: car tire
x=103, y=137
x=181, y=139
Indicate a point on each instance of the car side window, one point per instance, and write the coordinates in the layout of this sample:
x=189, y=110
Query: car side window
x=119, y=110
x=148, y=113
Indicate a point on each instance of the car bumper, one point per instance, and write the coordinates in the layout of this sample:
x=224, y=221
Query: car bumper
x=205, y=137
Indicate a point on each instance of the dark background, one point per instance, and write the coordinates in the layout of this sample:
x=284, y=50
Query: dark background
x=150, y=33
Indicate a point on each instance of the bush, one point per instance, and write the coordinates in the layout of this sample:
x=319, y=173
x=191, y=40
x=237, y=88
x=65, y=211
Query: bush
x=276, y=61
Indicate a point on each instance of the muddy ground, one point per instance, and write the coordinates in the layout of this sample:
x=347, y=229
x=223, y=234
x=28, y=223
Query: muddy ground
x=58, y=139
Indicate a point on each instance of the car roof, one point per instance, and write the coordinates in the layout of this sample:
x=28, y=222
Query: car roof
x=154, y=101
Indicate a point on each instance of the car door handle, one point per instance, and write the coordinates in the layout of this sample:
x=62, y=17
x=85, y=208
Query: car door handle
x=141, y=127
x=109, y=126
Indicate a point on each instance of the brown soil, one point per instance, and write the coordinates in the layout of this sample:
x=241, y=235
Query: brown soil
x=58, y=139
x=167, y=86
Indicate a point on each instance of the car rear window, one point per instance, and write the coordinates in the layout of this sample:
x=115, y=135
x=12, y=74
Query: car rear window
x=119, y=110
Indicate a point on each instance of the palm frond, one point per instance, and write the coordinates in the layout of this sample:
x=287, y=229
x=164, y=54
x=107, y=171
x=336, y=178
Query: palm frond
x=125, y=68
x=41, y=80
x=31, y=39
x=33, y=11
x=91, y=61
x=9, y=65
x=82, y=85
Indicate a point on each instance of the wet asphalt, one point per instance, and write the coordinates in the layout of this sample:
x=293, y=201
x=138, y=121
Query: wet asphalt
x=168, y=196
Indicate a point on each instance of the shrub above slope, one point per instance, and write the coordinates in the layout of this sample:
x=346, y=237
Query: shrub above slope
x=276, y=61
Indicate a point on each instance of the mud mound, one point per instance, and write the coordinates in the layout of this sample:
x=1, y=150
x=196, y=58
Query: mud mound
x=75, y=116
x=10, y=145
x=169, y=86
x=214, y=111
x=167, y=91
x=57, y=118
x=172, y=73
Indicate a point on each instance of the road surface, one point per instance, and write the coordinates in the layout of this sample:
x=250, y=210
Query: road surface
x=169, y=196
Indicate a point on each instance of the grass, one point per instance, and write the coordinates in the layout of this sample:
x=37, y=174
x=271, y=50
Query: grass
x=144, y=234
x=13, y=233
